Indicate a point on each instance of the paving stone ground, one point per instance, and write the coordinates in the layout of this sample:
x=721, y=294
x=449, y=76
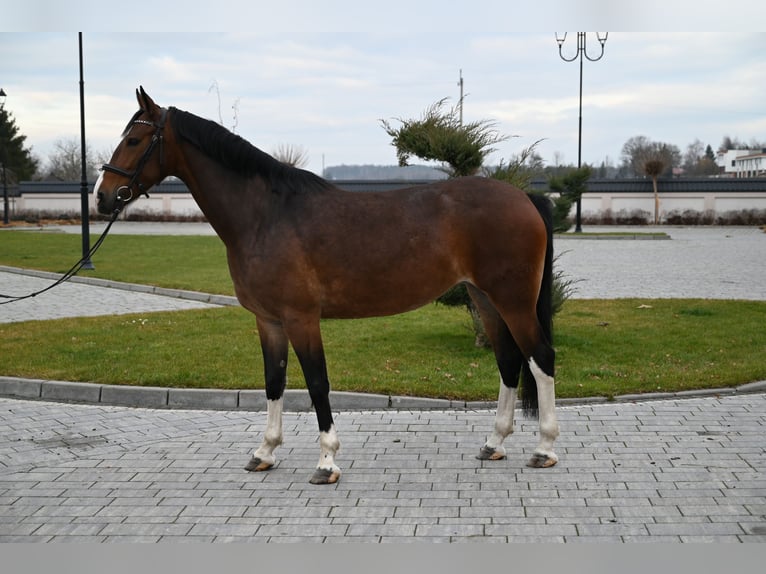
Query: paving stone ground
x=687, y=470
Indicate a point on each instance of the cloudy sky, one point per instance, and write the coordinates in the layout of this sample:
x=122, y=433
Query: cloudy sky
x=322, y=82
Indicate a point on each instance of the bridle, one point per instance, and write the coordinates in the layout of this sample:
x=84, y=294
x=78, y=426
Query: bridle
x=158, y=139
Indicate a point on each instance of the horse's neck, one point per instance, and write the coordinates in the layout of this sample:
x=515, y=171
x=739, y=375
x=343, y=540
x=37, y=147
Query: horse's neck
x=233, y=205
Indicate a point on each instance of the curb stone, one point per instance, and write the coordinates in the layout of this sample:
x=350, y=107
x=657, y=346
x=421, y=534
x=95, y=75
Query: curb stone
x=607, y=236
x=294, y=399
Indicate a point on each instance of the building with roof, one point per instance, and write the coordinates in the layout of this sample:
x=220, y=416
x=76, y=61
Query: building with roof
x=751, y=165
x=742, y=163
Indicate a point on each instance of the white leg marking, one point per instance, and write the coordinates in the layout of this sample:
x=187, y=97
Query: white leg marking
x=328, y=446
x=546, y=404
x=272, y=437
x=506, y=404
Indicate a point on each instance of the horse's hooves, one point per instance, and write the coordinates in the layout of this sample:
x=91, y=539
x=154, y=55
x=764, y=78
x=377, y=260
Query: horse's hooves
x=325, y=476
x=257, y=465
x=539, y=460
x=489, y=453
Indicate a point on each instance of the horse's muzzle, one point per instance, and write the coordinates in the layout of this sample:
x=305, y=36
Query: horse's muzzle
x=102, y=204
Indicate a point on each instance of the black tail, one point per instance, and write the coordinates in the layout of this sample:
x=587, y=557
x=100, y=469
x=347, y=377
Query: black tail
x=544, y=308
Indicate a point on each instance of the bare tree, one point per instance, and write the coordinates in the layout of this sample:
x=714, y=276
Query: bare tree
x=728, y=143
x=638, y=149
x=235, y=107
x=65, y=162
x=694, y=152
x=293, y=155
x=699, y=159
x=632, y=152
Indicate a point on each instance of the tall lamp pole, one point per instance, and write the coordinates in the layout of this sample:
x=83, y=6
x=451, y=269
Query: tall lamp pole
x=87, y=263
x=580, y=53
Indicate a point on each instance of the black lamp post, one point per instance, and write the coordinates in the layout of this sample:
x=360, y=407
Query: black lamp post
x=5, y=182
x=85, y=223
x=582, y=51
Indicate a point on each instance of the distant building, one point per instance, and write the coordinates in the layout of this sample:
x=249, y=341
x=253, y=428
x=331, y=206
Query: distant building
x=742, y=163
x=751, y=165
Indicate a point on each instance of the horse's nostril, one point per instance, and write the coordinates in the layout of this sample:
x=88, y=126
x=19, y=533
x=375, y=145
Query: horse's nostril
x=100, y=195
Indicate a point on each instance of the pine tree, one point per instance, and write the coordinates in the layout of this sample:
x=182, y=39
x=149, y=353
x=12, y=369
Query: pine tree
x=18, y=161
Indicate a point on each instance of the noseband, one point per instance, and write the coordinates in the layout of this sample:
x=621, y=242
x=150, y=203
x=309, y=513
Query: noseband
x=157, y=139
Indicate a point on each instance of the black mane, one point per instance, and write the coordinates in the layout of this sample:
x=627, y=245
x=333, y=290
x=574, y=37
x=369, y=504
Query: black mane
x=240, y=156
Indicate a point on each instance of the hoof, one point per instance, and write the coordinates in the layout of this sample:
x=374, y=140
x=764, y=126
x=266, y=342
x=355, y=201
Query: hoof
x=540, y=460
x=488, y=453
x=257, y=465
x=325, y=476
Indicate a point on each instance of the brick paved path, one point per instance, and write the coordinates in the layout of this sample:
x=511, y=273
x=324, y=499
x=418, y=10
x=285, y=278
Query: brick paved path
x=672, y=470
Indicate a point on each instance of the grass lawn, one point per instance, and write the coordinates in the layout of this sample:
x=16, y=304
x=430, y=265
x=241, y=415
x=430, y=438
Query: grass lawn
x=604, y=347
x=196, y=263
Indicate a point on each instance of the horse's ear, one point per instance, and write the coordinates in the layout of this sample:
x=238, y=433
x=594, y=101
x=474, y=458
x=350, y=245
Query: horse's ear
x=144, y=101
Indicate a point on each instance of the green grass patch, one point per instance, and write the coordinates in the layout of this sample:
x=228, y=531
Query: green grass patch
x=603, y=348
x=196, y=263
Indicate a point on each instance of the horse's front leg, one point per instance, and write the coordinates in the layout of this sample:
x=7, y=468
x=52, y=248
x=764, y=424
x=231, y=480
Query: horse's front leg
x=274, y=347
x=306, y=339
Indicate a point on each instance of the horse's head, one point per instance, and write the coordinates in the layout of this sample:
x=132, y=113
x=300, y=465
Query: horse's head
x=138, y=163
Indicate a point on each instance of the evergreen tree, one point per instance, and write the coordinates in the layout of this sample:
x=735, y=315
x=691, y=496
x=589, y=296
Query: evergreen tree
x=18, y=161
x=570, y=187
x=441, y=135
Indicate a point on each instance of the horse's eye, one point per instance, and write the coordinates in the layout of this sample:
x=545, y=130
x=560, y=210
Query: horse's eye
x=133, y=141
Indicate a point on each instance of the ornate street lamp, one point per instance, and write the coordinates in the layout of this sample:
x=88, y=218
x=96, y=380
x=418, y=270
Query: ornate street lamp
x=580, y=53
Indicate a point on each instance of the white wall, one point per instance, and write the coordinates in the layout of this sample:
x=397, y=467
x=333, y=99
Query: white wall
x=593, y=203
x=719, y=203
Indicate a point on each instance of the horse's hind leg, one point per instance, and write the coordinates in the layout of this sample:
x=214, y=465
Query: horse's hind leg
x=520, y=345
x=274, y=347
x=509, y=362
x=537, y=380
x=540, y=364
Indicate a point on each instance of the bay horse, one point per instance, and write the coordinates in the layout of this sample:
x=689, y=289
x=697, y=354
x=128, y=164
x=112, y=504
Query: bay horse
x=300, y=249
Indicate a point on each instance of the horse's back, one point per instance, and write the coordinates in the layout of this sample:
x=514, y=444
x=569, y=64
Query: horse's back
x=487, y=211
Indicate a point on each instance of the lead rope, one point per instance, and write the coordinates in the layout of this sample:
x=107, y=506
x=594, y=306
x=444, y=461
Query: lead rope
x=74, y=269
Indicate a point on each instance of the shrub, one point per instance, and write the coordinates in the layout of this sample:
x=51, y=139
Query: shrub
x=622, y=217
